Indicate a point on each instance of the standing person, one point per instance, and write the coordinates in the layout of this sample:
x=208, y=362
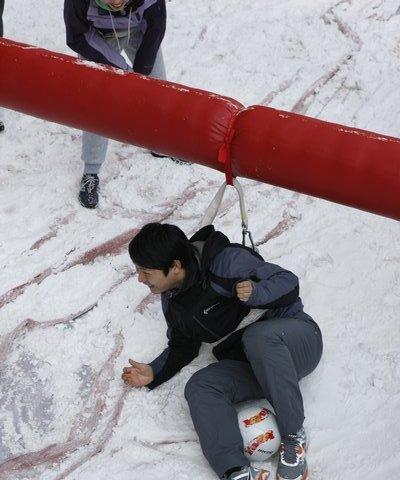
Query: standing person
x=207, y=286
x=99, y=30
x=1, y=34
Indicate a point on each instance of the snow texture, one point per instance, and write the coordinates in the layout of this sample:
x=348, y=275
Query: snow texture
x=72, y=312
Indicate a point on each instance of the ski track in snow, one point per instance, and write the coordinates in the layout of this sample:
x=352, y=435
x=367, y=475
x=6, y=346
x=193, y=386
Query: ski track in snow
x=348, y=261
x=111, y=247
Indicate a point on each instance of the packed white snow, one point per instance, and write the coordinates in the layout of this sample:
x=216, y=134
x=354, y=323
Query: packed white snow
x=79, y=313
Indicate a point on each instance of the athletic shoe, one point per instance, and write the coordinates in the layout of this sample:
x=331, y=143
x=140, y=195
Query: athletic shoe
x=292, y=457
x=249, y=473
x=176, y=160
x=88, y=195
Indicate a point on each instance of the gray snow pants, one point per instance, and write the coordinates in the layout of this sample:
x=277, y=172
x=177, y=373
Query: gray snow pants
x=94, y=147
x=280, y=351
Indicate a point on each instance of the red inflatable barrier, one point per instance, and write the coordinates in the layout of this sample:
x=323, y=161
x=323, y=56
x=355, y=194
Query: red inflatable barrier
x=346, y=165
x=163, y=116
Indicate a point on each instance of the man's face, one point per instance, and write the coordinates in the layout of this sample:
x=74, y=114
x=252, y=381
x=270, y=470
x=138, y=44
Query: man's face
x=157, y=281
x=115, y=4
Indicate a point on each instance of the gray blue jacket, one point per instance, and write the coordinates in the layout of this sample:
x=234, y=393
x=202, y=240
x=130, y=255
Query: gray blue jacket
x=87, y=24
x=206, y=308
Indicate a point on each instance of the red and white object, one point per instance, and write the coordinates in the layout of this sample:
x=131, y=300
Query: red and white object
x=257, y=423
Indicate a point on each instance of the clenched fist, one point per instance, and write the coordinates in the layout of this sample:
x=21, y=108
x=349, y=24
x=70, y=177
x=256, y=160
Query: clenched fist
x=138, y=374
x=244, y=290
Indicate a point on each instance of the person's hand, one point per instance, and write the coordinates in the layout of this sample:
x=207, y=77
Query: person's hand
x=138, y=374
x=244, y=290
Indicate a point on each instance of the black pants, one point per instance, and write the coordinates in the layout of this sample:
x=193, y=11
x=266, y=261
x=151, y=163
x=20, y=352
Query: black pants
x=1, y=17
x=280, y=351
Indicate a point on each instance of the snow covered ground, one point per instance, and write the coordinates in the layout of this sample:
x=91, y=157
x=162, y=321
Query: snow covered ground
x=72, y=312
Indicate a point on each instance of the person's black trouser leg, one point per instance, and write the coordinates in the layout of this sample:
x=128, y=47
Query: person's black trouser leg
x=280, y=352
x=1, y=34
x=211, y=394
x=1, y=17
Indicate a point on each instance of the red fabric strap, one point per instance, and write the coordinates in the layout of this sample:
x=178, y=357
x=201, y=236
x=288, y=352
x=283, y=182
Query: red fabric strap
x=224, y=154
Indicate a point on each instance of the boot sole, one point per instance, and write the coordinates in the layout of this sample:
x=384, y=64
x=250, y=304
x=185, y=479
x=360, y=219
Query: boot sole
x=304, y=477
x=87, y=206
x=175, y=160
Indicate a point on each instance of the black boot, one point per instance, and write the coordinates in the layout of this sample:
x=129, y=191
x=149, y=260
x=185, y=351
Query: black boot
x=176, y=160
x=2, y=127
x=88, y=195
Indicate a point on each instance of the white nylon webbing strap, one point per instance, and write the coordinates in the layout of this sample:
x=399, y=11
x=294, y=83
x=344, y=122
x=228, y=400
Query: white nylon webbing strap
x=243, y=213
x=208, y=219
x=212, y=210
x=251, y=317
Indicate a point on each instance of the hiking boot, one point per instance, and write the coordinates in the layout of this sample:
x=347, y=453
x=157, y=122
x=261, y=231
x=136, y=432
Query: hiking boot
x=249, y=473
x=2, y=127
x=176, y=160
x=292, y=457
x=88, y=195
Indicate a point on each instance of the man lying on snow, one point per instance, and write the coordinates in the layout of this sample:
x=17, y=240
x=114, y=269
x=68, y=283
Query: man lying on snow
x=207, y=286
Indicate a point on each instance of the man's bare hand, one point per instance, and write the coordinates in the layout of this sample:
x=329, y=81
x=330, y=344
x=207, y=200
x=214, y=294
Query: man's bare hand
x=138, y=374
x=244, y=290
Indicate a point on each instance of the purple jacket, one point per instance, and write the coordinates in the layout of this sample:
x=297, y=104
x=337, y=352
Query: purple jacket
x=86, y=23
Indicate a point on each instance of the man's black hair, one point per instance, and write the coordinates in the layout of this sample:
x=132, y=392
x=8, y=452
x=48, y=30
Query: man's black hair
x=157, y=245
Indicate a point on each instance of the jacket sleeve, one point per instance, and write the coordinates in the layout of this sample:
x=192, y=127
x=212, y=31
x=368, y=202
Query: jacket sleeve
x=180, y=352
x=273, y=286
x=156, y=19
x=84, y=39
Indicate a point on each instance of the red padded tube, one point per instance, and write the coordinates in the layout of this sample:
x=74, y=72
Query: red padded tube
x=342, y=164
x=345, y=165
x=166, y=117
